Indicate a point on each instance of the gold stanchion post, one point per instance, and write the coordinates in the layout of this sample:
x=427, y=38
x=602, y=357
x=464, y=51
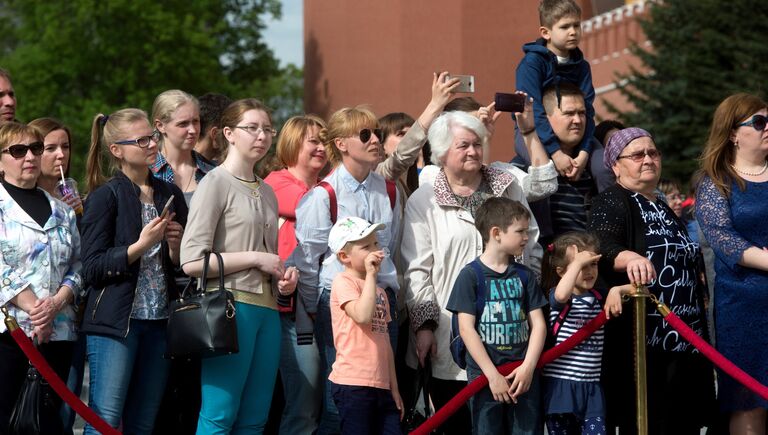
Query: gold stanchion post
x=641, y=388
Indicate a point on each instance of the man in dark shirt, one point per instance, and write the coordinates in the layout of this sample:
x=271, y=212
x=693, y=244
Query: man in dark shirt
x=567, y=208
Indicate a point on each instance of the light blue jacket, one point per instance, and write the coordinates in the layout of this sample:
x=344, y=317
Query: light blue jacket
x=39, y=258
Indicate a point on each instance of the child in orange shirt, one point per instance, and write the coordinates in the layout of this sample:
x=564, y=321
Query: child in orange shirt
x=364, y=386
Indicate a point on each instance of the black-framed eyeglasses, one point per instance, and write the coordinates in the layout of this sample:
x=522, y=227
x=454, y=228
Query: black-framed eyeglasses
x=255, y=130
x=365, y=134
x=141, y=142
x=639, y=156
x=20, y=150
x=758, y=122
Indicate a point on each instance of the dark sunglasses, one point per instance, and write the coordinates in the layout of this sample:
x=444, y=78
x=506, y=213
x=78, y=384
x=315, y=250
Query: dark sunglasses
x=365, y=134
x=20, y=150
x=758, y=122
x=141, y=142
x=640, y=155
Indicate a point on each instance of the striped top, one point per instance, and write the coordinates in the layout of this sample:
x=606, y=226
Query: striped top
x=571, y=202
x=583, y=362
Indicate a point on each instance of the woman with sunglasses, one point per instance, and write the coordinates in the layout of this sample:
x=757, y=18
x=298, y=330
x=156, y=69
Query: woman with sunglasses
x=39, y=268
x=643, y=242
x=731, y=209
x=129, y=253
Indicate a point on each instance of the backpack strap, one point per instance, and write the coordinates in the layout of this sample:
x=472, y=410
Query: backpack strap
x=392, y=193
x=334, y=208
x=564, y=312
x=480, y=290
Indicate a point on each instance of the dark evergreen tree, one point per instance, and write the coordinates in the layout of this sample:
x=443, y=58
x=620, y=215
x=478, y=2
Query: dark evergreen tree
x=701, y=51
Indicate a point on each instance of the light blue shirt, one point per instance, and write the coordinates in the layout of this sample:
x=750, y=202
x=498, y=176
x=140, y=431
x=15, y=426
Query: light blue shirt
x=41, y=259
x=368, y=200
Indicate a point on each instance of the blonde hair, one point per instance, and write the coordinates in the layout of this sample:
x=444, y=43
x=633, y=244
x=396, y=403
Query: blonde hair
x=345, y=122
x=168, y=102
x=13, y=130
x=292, y=137
x=106, y=130
x=719, y=151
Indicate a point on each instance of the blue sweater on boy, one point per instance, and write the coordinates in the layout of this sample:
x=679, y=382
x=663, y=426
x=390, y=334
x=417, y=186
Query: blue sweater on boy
x=538, y=70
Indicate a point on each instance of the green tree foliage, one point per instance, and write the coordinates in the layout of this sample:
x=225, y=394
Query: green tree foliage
x=701, y=51
x=76, y=58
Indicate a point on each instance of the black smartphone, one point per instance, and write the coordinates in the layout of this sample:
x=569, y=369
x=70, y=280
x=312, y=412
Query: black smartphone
x=509, y=102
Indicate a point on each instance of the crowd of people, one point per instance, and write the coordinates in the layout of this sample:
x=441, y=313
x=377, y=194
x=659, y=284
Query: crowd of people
x=381, y=247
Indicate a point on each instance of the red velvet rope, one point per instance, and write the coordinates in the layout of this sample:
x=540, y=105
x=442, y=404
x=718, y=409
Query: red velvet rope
x=58, y=385
x=478, y=384
x=716, y=357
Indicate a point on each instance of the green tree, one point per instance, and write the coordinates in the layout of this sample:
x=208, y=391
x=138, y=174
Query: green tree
x=74, y=59
x=701, y=51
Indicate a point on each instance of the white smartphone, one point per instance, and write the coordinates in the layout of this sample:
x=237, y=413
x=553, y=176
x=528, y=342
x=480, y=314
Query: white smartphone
x=167, y=207
x=466, y=83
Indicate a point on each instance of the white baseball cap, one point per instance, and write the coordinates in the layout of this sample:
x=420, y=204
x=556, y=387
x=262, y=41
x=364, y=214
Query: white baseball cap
x=350, y=229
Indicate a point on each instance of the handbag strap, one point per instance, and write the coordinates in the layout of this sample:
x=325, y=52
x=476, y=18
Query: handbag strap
x=202, y=284
x=221, y=269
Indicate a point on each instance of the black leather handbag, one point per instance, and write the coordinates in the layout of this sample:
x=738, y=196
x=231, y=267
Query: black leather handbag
x=36, y=411
x=202, y=323
x=414, y=418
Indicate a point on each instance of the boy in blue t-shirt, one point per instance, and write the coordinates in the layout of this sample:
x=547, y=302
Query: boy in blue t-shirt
x=511, y=327
x=551, y=59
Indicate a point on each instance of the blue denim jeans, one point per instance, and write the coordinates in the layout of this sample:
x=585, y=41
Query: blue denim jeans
x=128, y=376
x=75, y=381
x=302, y=381
x=237, y=389
x=490, y=416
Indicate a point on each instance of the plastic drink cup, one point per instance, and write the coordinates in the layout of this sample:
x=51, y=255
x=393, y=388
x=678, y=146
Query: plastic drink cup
x=68, y=187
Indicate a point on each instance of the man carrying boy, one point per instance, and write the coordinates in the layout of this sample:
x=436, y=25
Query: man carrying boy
x=567, y=208
x=551, y=59
x=510, y=328
x=363, y=381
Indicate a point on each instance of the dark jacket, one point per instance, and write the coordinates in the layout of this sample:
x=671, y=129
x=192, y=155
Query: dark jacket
x=538, y=70
x=111, y=222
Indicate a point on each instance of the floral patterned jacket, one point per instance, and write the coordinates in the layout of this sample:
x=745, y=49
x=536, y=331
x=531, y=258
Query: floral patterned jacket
x=41, y=259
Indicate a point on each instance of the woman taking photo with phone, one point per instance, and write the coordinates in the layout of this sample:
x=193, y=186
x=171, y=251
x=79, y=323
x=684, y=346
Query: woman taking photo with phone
x=39, y=269
x=235, y=213
x=128, y=261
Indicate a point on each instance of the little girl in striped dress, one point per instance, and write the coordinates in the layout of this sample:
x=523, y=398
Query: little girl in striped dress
x=573, y=397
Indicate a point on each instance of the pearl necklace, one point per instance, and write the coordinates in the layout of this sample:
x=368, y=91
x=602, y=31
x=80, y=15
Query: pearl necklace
x=751, y=174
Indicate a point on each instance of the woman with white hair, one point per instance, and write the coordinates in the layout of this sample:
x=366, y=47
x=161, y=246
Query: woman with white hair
x=439, y=218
